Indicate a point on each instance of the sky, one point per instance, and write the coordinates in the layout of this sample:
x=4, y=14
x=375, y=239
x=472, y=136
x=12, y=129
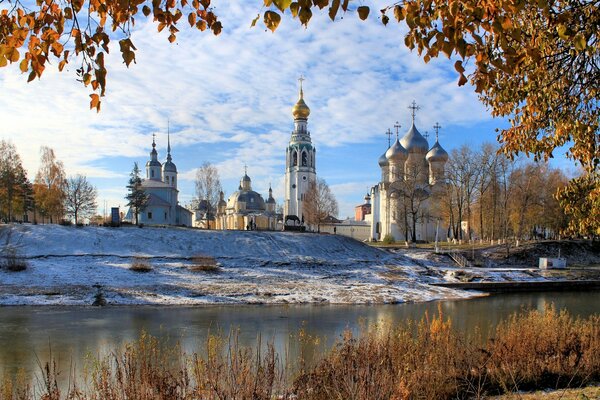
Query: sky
x=227, y=100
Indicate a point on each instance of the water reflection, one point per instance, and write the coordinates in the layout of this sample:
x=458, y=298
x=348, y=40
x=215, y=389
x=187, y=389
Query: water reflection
x=70, y=333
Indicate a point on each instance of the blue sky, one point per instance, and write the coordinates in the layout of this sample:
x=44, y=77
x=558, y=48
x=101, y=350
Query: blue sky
x=229, y=100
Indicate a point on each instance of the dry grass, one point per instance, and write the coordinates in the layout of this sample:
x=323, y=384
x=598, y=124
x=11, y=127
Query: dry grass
x=140, y=264
x=12, y=259
x=426, y=360
x=202, y=263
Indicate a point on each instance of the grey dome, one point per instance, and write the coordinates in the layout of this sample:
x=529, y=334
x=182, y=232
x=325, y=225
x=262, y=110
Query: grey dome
x=396, y=153
x=169, y=166
x=414, y=142
x=153, y=163
x=270, y=200
x=383, y=162
x=246, y=178
x=253, y=200
x=437, y=153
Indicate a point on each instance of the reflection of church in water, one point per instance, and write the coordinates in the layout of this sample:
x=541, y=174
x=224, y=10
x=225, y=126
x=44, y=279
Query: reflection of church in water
x=411, y=173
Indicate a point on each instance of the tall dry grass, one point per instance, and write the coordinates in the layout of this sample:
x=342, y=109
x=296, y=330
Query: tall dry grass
x=424, y=360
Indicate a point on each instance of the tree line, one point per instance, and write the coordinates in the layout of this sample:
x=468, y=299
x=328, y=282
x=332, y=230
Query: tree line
x=50, y=197
x=489, y=196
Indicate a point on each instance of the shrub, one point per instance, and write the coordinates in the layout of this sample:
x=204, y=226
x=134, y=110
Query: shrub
x=65, y=222
x=389, y=239
x=140, y=264
x=202, y=263
x=13, y=261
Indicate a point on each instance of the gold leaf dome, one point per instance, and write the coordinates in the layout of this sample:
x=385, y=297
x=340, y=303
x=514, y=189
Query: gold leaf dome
x=300, y=109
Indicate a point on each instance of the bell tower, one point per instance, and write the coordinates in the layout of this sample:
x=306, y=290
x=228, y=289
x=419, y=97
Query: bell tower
x=300, y=159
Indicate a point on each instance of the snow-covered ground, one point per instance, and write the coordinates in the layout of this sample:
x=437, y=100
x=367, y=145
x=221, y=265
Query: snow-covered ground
x=69, y=265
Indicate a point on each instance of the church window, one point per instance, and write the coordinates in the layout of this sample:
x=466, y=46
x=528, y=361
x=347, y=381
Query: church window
x=165, y=216
x=304, y=159
x=152, y=173
x=295, y=159
x=293, y=186
x=149, y=215
x=304, y=178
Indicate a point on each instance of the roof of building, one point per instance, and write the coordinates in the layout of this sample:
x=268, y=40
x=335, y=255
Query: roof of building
x=437, y=153
x=414, y=142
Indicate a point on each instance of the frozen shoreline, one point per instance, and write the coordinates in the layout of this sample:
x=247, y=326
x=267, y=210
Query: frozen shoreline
x=68, y=266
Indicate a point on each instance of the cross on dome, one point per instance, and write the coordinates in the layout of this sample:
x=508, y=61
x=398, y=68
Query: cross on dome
x=414, y=108
x=301, y=79
x=426, y=134
x=153, y=140
x=437, y=128
x=389, y=135
x=397, y=126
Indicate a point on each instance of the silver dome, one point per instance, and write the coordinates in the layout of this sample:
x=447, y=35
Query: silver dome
x=383, y=162
x=396, y=153
x=169, y=166
x=414, y=142
x=153, y=163
x=437, y=153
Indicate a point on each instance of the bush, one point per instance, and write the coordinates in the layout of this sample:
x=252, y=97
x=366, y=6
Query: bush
x=13, y=261
x=140, y=264
x=389, y=239
x=202, y=263
x=65, y=222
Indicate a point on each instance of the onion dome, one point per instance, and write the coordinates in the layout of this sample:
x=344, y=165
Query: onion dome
x=437, y=153
x=396, y=153
x=153, y=162
x=271, y=199
x=222, y=202
x=383, y=162
x=300, y=109
x=414, y=142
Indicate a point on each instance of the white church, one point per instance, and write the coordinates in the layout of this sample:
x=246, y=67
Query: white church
x=411, y=173
x=161, y=187
x=300, y=164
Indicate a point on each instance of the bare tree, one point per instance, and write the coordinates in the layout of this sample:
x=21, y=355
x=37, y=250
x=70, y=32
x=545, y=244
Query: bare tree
x=208, y=187
x=81, y=197
x=319, y=203
x=410, y=192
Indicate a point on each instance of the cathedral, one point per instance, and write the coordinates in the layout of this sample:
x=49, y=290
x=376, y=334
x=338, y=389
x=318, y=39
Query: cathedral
x=161, y=187
x=300, y=162
x=246, y=209
x=403, y=202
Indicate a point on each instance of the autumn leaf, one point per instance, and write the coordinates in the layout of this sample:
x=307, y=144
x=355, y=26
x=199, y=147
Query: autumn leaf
x=254, y=21
x=363, y=12
x=95, y=102
x=335, y=5
x=272, y=20
x=305, y=15
x=462, y=80
x=282, y=4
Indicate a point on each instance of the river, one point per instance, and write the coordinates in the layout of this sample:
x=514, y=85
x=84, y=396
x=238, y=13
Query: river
x=69, y=333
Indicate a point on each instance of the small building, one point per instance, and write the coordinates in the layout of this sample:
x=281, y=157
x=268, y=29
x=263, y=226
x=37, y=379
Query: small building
x=161, y=187
x=246, y=209
x=361, y=211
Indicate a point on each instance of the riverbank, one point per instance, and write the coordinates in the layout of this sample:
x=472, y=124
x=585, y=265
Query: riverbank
x=530, y=351
x=178, y=266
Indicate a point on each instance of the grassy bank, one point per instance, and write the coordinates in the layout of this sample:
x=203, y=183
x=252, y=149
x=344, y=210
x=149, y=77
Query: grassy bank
x=428, y=360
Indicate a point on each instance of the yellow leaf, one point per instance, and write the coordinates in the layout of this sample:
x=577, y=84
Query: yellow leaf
x=363, y=12
x=282, y=4
x=24, y=65
x=254, y=21
x=95, y=102
x=580, y=42
x=201, y=25
x=172, y=38
x=272, y=20
x=3, y=62
x=61, y=65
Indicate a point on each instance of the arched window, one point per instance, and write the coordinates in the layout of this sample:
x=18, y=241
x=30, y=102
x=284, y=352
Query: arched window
x=152, y=172
x=304, y=159
x=295, y=159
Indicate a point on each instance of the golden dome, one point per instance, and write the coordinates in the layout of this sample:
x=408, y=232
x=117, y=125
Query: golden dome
x=301, y=110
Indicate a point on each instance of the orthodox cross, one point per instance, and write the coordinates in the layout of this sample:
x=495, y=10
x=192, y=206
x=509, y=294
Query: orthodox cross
x=397, y=126
x=245, y=169
x=301, y=79
x=414, y=107
x=153, y=138
x=426, y=134
x=389, y=135
x=437, y=128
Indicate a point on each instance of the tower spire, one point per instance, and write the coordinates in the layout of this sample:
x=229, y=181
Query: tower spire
x=414, y=108
x=437, y=128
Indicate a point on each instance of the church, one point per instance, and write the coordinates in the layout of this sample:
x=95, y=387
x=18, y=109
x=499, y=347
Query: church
x=246, y=209
x=161, y=187
x=403, y=203
x=300, y=161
